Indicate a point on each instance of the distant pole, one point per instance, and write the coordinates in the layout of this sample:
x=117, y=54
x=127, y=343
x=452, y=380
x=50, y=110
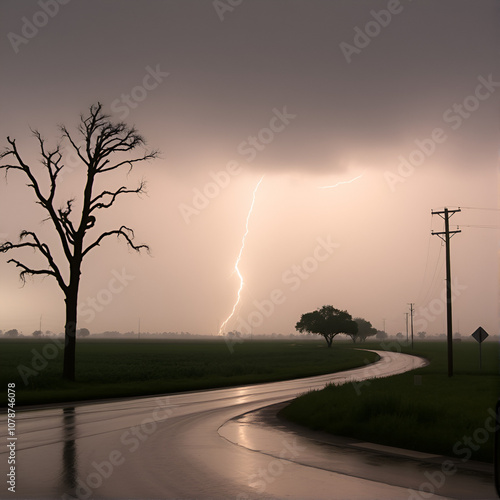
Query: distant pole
x=383, y=319
x=445, y=214
x=406, y=314
x=139, y=329
x=411, y=304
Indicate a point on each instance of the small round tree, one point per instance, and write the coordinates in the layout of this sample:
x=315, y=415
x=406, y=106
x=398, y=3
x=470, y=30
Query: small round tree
x=327, y=322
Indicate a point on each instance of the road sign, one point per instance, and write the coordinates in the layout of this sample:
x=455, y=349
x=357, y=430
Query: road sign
x=480, y=334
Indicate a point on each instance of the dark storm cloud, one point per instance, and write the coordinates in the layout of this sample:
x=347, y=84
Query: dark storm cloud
x=227, y=76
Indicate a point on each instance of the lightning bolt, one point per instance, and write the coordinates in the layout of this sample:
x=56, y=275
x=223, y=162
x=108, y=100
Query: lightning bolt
x=341, y=182
x=236, y=268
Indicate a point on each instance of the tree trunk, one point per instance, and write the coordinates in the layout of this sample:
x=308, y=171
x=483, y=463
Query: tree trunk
x=70, y=326
x=70, y=338
x=329, y=341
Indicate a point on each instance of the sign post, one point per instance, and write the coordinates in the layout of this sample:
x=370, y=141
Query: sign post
x=479, y=335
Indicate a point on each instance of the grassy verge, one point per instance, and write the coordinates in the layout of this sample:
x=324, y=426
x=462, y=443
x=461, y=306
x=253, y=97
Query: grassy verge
x=131, y=368
x=424, y=410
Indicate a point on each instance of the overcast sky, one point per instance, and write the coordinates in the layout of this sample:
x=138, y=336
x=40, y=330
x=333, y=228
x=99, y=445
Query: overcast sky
x=360, y=117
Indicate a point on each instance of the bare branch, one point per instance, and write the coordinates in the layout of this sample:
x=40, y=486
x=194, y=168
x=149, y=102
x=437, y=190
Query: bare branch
x=7, y=152
x=148, y=156
x=42, y=248
x=8, y=245
x=109, y=138
x=42, y=200
x=51, y=160
x=120, y=137
x=21, y=165
x=124, y=231
x=28, y=271
x=114, y=195
x=66, y=222
x=66, y=134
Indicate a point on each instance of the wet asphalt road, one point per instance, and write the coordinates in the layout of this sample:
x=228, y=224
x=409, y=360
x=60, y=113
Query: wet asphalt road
x=193, y=446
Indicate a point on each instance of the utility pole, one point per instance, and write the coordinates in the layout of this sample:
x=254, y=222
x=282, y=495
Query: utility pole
x=445, y=236
x=406, y=314
x=411, y=304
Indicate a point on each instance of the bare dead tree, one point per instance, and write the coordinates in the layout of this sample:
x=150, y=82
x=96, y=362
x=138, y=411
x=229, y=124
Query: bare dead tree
x=102, y=142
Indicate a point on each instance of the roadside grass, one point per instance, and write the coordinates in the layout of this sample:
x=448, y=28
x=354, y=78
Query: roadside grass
x=124, y=368
x=424, y=410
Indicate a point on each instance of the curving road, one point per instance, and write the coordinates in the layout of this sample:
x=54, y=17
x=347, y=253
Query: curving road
x=187, y=446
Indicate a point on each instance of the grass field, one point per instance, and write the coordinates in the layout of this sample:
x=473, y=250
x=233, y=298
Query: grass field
x=109, y=368
x=423, y=410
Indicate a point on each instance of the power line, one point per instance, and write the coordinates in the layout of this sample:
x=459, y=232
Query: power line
x=482, y=208
x=426, y=261
x=481, y=226
x=439, y=265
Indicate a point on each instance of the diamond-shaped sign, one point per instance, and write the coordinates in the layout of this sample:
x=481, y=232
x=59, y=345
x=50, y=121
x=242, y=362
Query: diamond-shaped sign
x=480, y=334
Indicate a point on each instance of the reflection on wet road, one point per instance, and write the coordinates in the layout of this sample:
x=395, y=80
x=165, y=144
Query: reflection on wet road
x=263, y=432
x=170, y=447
